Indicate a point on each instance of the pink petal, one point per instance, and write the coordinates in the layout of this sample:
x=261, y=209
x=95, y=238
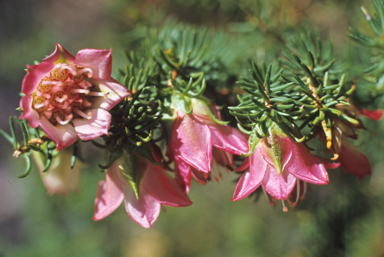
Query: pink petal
x=35, y=74
x=144, y=211
x=191, y=141
x=353, y=161
x=278, y=186
x=95, y=127
x=183, y=174
x=29, y=113
x=251, y=179
x=110, y=193
x=60, y=55
x=229, y=139
x=304, y=165
x=99, y=60
x=62, y=135
x=114, y=93
x=164, y=189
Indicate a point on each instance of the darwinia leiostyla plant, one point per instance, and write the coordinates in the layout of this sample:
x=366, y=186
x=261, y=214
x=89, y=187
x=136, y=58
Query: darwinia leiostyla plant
x=162, y=127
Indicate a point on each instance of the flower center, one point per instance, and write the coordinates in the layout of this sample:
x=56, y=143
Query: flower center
x=65, y=94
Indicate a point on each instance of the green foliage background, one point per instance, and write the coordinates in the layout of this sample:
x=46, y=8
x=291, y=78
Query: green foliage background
x=343, y=218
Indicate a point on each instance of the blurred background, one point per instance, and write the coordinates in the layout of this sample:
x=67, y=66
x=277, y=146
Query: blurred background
x=343, y=218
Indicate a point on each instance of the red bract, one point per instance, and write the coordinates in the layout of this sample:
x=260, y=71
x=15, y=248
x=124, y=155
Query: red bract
x=156, y=188
x=276, y=163
x=69, y=97
x=194, y=136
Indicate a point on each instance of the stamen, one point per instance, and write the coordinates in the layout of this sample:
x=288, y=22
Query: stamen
x=267, y=197
x=84, y=70
x=65, y=122
x=285, y=209
x=304, y=191
x=297, y=193
x=48, y=82
x=80, y=91
x=61, y=100
x=92, y=93
x=38, y=106
x=87, y=116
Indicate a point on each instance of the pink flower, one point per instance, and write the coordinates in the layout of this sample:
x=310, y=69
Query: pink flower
x=352, y=161
x=69, y=97
x=276, y=163
x=194, y=136
x=60, y=178
x=156, y=188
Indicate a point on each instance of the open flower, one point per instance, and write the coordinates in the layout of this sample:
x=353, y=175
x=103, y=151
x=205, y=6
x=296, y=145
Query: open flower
x=60, y=178
x=156, y=188
x=69, y=97
x=276, y=164
x=194, y=136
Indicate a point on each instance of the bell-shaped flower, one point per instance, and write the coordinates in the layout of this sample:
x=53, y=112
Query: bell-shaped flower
x=276, y=163
x=352, y=160
x=69, y=97
x=156, y=188
x=60, y=177
x=194, y=135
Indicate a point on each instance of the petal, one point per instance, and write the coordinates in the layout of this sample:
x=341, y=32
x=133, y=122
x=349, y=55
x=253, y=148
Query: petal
x=251, y=179
x=353, y=161
x=183, y=174
x=191, y=141
x=164, y=189
x=144, y=211
x=304, y=165
x=114, y=93
x=95, y=127
x=99, y=60
x=62, y=135
x=229, y=139
x=29, y=113
x=278, y=186
x=35, y=74
x=110, y=193
x=372, y=114
x=60, y=55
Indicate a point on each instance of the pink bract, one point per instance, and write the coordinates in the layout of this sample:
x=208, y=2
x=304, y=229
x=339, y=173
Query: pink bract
x=296, y=163
x=69, y=97
x=156, y=188
x=60, y=178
